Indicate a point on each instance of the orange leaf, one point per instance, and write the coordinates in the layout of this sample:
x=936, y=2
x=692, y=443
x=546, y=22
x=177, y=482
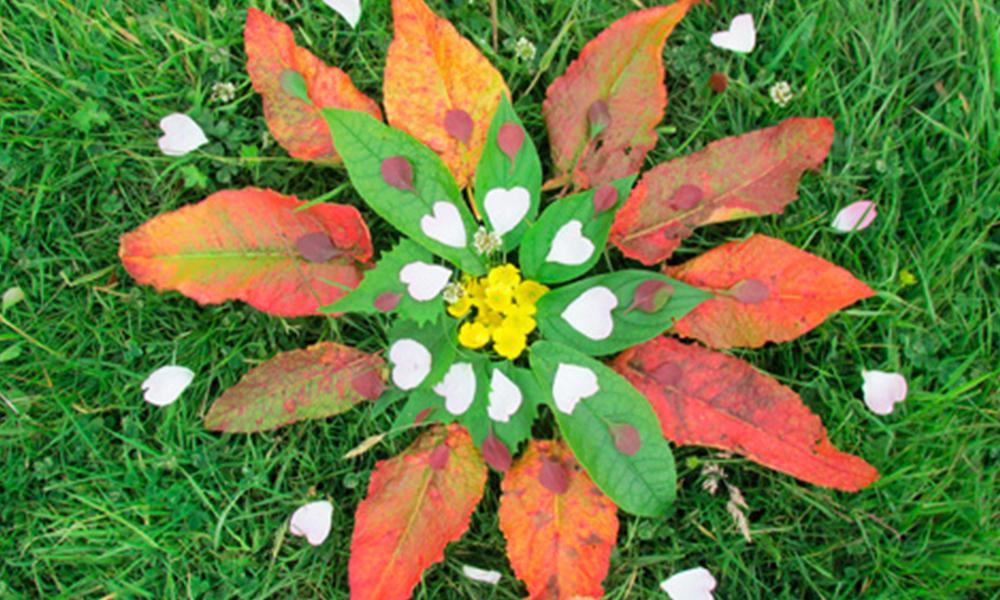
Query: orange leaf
x=241, y=245
x=273, y=60
x=417, y=503
x=560, y=528
x=737, y=177
x=707, y=398
x=432, y=76
x=766, y=291
x=615, y=87
x=322, y=380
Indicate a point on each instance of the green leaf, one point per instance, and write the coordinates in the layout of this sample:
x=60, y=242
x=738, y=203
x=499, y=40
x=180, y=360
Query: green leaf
x=381, y=285
x=497, y=171
x=364, y=143
x=294, y=84
x=576, y=211
x=559, y=318
x=642, y=480
x=518, y=427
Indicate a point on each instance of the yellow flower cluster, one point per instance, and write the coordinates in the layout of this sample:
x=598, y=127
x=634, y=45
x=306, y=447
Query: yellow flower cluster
x=504, y=310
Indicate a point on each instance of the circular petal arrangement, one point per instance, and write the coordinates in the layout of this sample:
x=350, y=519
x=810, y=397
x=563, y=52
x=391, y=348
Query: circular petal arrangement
x=499, y=306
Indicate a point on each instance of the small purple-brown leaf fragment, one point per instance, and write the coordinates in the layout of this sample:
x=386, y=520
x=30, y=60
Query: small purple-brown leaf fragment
x=459, y=125
x=387, y=301
x=667, y=374
x=718, y=82
x=397, y=172
x=750, y=291
x=422, y=415
x=626, y=438
x=316, y=247
x=675, y=231
x=651, y=295
x=686, y=197
x=510, y=138
x=496, y=453
x=599, y=117
x=438, y=458
x=553, y=476
x=605, y=198
x=369, y=384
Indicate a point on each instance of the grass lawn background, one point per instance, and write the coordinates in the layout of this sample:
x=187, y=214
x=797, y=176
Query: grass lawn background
x=102, y=495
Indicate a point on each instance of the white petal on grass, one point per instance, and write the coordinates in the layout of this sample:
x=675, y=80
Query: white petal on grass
x=312, y=521
x=483, y=575
x=349, y=9
x=166, y=384
x=855, y=216
x=692, y=584
x=180, y=135
x=883, y=390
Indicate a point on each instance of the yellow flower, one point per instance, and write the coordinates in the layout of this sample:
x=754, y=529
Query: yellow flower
x=519, y=322
x=473, y=335
x=460, y=307
x=529, y=292
x=508, y=343
x=488, y=317
x=504, y=276
x=499, y=298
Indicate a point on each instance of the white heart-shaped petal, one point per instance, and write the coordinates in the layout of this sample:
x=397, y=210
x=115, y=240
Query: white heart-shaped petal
x=165, y=384
x=693, y=584
x=506, y=208
x=740, y=37
x=883, y=390
x=569, y=247
x=572, y=384
x=312, y=521
x=505, y=397
x=349, y=9
x=180, y=135
x=855, y=216
x=590, y=313
x=411, y=363
x=458, y=388
x=445, y=225
x=424, y=281
x=477, y=574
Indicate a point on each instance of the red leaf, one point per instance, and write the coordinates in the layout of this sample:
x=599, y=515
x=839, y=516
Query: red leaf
x=559, y=544
x=417, y=503
x=316, y=247
x=602, y=113
x=241, y=245
x=496, y=453
x=432, y=74
x=766, y=291
x=753, y=174
x=322, y=380
x=723, y=402
x=296, y=124
x=605, y=197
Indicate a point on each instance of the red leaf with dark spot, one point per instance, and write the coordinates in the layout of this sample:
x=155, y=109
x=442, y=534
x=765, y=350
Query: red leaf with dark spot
x=510, y=138
x=626, y=438
x=686, y=197
x=725, y=403
x=553, y=476
x=605, y=198
x=748, y=175
x=496, y=453
x=397, y=172
x=387, y=301
x=668, y=374
x=779, y=293
x=316, y=247
x=718, y=82
x=459, y=125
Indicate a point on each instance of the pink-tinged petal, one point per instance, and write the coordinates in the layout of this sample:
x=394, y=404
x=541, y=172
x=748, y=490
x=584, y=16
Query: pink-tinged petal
x=692, y=584
x=855, y=217
x=312, y=521
x=883, y=390
x=166, y=384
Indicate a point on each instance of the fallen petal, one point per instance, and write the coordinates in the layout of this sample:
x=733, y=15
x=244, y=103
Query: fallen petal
x=883, y=390
x=180, y=135
x=692, y=584
x=483, y=575
x=855, y=217
x=349, y=9
x=166, y=384
x=312, y=521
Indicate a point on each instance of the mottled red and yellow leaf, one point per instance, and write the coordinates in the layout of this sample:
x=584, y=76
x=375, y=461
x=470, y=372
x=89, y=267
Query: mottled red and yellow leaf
x=560, y=528
x=417, y=503
x=241, y=245
x=602, y=113
x=282, y=73
x=748, y=175
x=439, y=88
x=322, y=380
x=707, y=398
x=766, y=290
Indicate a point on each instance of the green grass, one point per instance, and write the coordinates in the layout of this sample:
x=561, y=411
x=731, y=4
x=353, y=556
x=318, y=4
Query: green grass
x=103, y=495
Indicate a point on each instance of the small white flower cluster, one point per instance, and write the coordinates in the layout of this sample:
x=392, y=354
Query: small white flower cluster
x=453, y=292
x=524, y=49
x=781, y=93
x=486, y=242
x=223, y=92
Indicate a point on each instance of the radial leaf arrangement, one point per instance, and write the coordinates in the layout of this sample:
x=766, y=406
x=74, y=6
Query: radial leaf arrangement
x=496, y=317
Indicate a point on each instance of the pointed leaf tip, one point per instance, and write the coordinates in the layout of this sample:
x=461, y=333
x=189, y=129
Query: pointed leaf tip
x=459, y=125
x=605, y=198
x=510, y=138
x=496, y=453
x=316, y=247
